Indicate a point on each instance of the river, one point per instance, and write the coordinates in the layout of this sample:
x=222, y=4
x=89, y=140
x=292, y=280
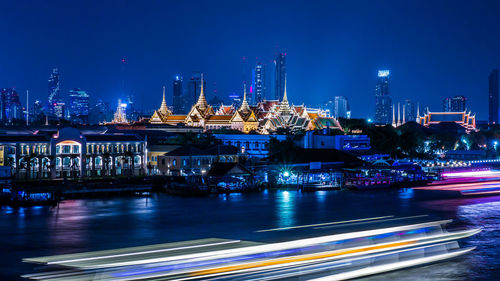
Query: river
x=97, y=224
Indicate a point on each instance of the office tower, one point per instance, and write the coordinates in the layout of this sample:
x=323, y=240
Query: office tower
x=454, y=104
x=11, y=108
x=194, y=89
x=235, y=99
x=279, y=76
x=383, y=102
x=177, y=96
x=260, y=86
x=79, y=106
x=409, y=111
x=340, y=107
x=493, y=97
x=37, y=113
x=100, y=113
x=54, y=90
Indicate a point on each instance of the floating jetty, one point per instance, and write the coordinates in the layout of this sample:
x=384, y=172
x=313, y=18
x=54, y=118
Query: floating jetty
x=332, y=257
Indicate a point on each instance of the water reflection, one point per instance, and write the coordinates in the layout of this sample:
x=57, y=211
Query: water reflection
x=285, y=207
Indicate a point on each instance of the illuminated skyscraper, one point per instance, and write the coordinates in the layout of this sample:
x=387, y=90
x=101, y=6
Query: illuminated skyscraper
x=54, y=93
x=493, y=97
x=383, y=102
x=409, y=111
x=260, y=86
x=11, y=105
x=454, y=104
x=179, y=105
x=279, y=75
x=340, y=107
x=79, y=106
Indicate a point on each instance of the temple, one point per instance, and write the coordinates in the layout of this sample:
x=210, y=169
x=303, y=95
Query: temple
x=464, y=119
x=266, y=117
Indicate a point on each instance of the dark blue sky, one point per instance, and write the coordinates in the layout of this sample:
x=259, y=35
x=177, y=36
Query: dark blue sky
x=434, y=49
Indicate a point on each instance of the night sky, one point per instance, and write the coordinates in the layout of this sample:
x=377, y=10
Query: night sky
x=434, y=49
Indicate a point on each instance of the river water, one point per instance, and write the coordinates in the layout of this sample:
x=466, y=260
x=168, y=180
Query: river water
x=97, y=224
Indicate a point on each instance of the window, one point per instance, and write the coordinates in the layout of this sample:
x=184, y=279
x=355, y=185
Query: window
x=66, y=149
x=76, y=149
x=174, y=163
x=163, y=161
x=199, y=162
x=184, y=162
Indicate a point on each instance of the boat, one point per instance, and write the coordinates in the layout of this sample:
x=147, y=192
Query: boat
x=331, y=257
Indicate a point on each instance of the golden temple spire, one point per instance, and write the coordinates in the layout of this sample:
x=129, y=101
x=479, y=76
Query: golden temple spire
x=285, y=98
x=163, y=107
x=244, y=104
x=202, y=101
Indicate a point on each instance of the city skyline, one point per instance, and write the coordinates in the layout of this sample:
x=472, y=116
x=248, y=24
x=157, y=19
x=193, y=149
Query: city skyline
x=315, y=73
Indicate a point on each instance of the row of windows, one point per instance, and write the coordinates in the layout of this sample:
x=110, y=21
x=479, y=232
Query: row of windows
x=35, y=148
x=248, y=144
x=113, y=148
x=197, y=162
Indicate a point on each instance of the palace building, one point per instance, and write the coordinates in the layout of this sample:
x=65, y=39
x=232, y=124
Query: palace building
x=464, y=119
x=265, y=118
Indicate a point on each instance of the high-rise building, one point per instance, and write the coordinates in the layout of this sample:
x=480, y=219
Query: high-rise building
x=383, y=102
x=454, y=104
x=340, y=107
x=194, y=88
x=37, y=113
x=100, y=113
x=54, y=92
x=409, y=111
x=177, y=96
x=493, y=97
x=279, y=75
x=260, y=86
x=11, y=105
x=79, y=106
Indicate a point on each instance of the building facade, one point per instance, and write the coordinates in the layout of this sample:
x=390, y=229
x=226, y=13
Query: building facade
x=54, y=97
x=260, y=83
x=196, y=160
x=383, y=102
x=454, y=104
x=177, y=96
x=493, y=97
x=279, y=75
x=68, y=153
x=341, y=107
x=464, y=119
x=79, y=106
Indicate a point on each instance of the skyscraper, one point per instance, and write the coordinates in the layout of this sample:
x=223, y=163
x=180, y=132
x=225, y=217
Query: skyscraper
x=11, y=105
x=383, y=102
x=454, y=104
x=79, y=106
x=179, y=106
x=340, y=107
x=279, y=75
x=54, y=90
x=260, y=86
x=409, y=111
x=37, y=112
x=493, y=97
x=194, y=88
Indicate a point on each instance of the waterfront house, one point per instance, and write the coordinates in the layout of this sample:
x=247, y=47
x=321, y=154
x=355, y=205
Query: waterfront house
x=68, y=153
x=193, y=159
